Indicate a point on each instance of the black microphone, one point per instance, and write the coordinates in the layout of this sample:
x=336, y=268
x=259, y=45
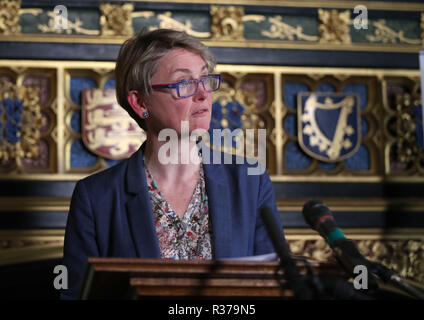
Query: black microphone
x=307, y=286
x=320, y=218
x=298, y=284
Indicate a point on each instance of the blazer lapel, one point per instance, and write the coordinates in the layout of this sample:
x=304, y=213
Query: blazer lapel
x=139, y=209
x=219, y=210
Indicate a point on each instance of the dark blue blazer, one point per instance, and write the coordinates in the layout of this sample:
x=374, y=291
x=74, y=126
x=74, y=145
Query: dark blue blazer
x=111, y=216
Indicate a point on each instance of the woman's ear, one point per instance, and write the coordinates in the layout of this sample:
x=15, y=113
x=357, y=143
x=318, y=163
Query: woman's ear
x=136, y=102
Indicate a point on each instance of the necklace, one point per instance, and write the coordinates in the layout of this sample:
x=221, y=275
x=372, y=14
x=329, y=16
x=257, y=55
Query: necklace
x=154, y=184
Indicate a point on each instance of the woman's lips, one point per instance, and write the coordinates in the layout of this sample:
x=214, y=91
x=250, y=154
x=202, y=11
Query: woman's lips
x=200, y=113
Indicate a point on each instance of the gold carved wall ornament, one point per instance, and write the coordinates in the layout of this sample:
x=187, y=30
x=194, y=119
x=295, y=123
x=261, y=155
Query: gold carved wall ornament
x=116, y=19
x=227, y=22
x=407, y=149
x=247, y=97
x=404, y=155
x=406, y=257
x=20, y=122
x=281, y=30
x=166, y=21
x=76, y=26
x=227, y=97
x=9, y=17
x=142, y=14
x=385, y=34
x=334, y=26
x=243, y=105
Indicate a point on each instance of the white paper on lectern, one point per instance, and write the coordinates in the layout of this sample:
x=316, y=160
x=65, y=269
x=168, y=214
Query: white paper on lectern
x=262, y=257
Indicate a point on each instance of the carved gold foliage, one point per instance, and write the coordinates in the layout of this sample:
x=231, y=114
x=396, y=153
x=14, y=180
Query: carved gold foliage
x=405, y=257
x=20, y=122
x=166, y=21
x=385, y=34
x=281, y=30
x=9, y=17
x=404, y=127
x=227, y=23
x=313, y=249
x=247, y=98
x=116, y=19
x=230, y=95
x=76, y=26
x=334, y=26
x=225, y=94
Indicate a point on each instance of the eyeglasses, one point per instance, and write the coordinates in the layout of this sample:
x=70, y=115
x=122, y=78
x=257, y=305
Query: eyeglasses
x=188, y=88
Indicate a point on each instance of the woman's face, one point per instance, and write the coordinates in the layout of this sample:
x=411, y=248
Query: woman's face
x=165, y=108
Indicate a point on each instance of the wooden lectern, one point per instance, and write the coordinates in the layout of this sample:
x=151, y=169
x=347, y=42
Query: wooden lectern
x=131, y=278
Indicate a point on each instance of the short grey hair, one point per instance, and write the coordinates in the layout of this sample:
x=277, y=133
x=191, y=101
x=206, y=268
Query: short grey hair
x=138, y=60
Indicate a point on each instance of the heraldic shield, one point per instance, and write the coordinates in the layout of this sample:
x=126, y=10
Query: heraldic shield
x=107, y=129
x=329, y=125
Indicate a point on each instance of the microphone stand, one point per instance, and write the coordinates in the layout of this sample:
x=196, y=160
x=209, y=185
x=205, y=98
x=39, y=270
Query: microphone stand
x=305, y=287
x=302, y=286
x=376, y=271
x=327, y=289
x=320, y=218
x=406, y=287
x=388, y=276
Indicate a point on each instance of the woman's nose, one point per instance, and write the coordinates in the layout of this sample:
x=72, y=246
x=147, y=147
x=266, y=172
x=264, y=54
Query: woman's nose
x=201, y=93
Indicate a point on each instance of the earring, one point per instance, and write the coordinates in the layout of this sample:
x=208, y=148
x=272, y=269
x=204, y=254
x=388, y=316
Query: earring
x=145, y=114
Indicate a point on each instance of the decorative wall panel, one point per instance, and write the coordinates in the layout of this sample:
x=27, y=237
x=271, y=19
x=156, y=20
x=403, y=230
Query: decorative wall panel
x=324, y=25
x=362, y=162
x=403, y=126
x=250, y=98
x=27, y=120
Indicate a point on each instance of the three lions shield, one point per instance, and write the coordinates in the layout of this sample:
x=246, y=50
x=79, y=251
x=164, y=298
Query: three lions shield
x=107, y=129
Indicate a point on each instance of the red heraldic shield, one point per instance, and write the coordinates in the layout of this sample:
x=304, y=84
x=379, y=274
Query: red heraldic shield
x=107, y=129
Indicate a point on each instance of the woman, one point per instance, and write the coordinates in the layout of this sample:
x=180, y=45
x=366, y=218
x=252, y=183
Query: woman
x=144, y=207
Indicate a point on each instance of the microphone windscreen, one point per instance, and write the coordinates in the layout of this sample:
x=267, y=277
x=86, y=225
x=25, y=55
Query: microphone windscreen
x=313, y=211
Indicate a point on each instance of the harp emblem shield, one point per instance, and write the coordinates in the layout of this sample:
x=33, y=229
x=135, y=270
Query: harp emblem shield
x=329, y=125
